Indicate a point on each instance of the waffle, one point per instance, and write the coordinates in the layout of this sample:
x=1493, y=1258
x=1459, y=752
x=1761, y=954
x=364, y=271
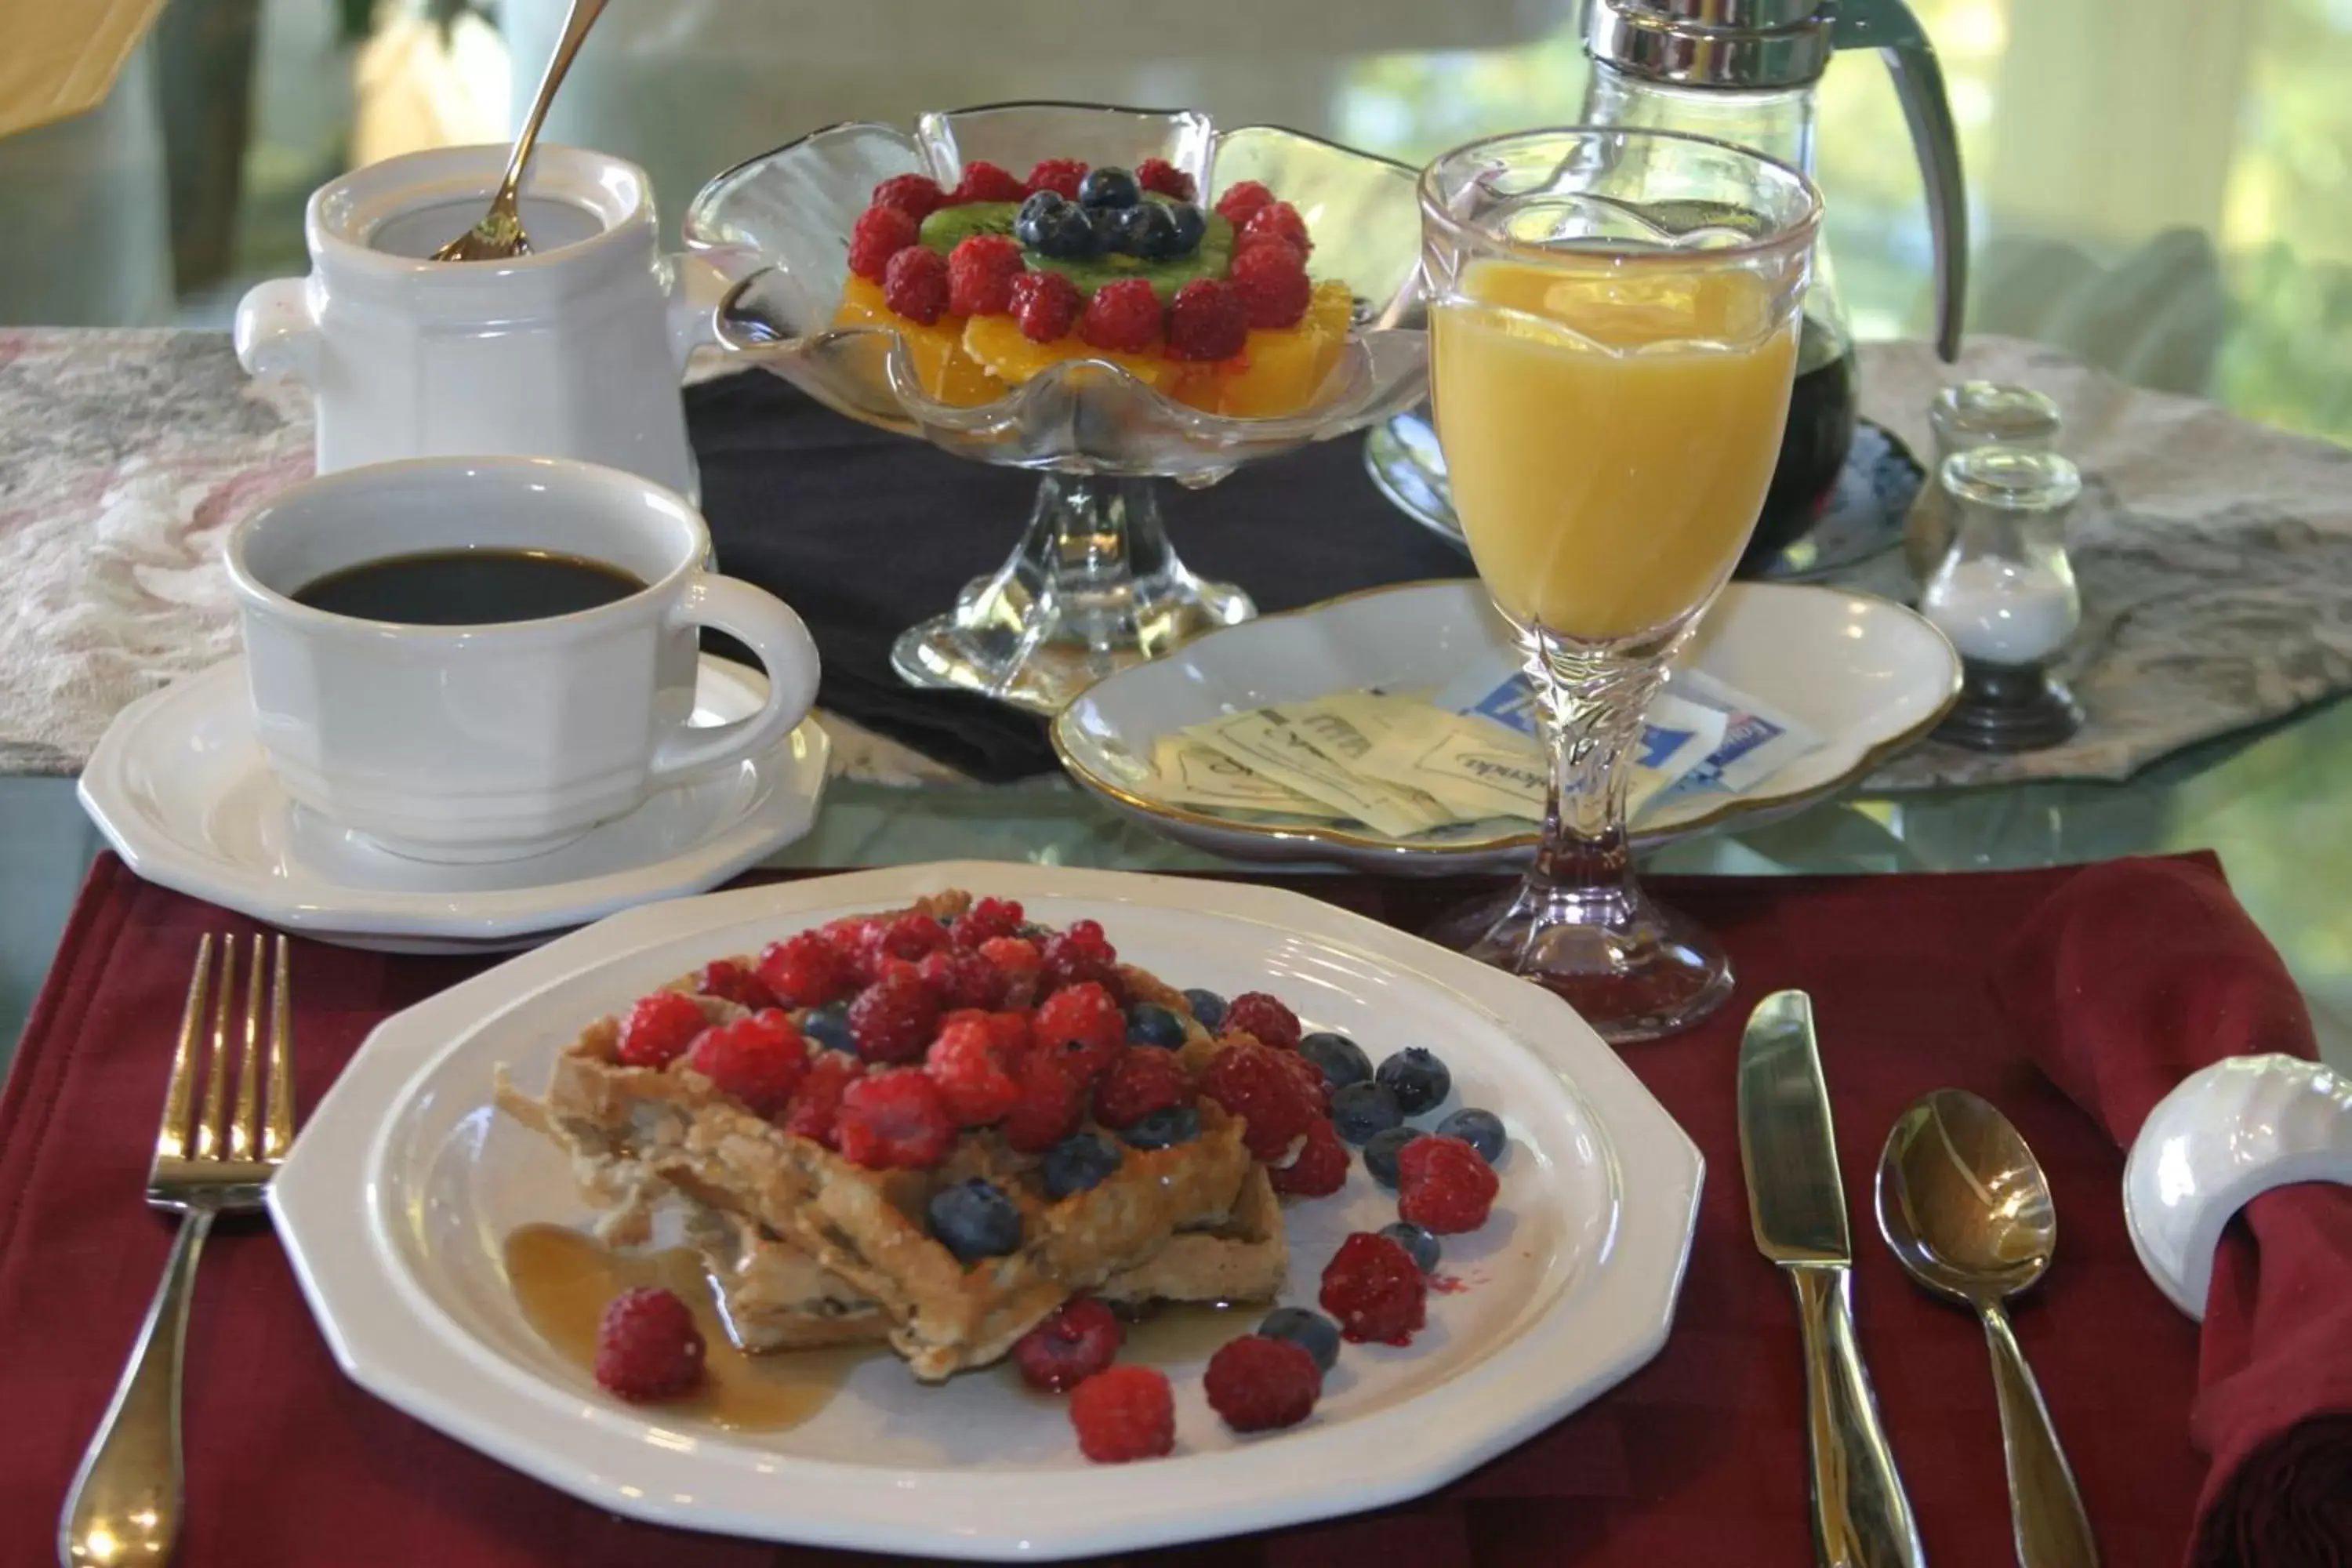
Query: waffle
x=813, y=1250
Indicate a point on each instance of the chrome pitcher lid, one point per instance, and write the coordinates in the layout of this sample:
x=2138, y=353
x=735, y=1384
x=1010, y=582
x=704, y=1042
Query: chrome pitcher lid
x=1713, y=42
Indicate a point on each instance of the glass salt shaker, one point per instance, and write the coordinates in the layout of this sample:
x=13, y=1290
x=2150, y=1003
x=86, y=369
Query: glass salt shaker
x=1973, y=413
x=2004, y=594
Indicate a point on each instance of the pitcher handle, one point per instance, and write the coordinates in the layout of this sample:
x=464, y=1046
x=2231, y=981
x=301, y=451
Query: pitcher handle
x=1888, y=26
x=697, y=281
x=277, y=331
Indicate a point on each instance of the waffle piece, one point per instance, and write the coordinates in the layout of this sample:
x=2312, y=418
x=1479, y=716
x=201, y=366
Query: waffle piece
x=635, y=1133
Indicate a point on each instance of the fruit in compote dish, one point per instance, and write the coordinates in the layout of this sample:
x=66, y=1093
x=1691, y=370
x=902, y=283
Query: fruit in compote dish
x=999, y=280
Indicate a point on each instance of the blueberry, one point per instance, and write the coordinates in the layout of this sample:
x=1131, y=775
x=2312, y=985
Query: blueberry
x=1482, y=1130
x=1362, y=1111
x=1313, y=1332
x=1190, y=223
x=1109, y=187
x=1149, y=1023
x=1207, y=1007
x=1078, y=1164
x=1342, y=1060
x=1164, y=1129
x=1417, y=1077
x=829, y=1026
x=1034, y=214
x=1421, y=1243
x=1065, y=233
x=974, y=1220
x=1108, y=227
x=1148, y=231
x=1381, y=1150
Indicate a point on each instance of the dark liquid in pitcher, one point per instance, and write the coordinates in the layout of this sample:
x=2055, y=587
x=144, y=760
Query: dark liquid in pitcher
x=469, y=587
x=1813, y=449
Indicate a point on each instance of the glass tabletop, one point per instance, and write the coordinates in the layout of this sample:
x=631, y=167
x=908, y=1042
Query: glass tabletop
x=2270, y=802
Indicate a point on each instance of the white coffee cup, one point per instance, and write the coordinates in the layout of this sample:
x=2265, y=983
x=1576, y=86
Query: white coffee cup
x=496, y=741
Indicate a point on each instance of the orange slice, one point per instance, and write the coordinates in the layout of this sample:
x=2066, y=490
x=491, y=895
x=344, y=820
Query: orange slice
x=946, y=371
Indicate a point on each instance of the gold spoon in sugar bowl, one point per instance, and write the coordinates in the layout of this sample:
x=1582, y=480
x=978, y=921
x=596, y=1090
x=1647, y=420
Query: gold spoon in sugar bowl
x=1963, y=1204
x=499, y=233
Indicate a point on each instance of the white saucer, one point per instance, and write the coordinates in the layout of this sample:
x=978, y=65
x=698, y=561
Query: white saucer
x=1870, y=677
x=179, y=786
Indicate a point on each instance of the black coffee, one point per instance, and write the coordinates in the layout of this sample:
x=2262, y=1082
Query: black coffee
x=469, y=587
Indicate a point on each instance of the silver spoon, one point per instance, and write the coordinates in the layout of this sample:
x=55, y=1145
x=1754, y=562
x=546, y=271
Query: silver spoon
x=1964, y=1204
x=499, y=233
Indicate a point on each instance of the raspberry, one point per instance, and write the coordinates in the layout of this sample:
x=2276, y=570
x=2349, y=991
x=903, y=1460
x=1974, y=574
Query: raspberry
x=1083, y=1026
x=917, y=195
x=1251, y=1082
x=1159, y=174
x=1016, y=959
x=879, y=233
x=1311, y=1081
x=894, y=1120
x=1059, y=176
x=647, y=1347
x=1050, y=1104
x=892, y=1019
x=1443, y=1186
x=965, y=1064
x=759, y=1060
x=1258, y=1384
x=981, y=271
x=915, y=284
x=1123, y=317
x=849, y=941
x=817, y=1102
x=1241, y=203
x=1279, y=221
x=1124, y=1413
x=1374, y=1287
x=726, y=978
x=909, y=935
x=803, y=971
x=1011, y=1032
x=984, y=182
x=1069, y=1347
x=1080, y=954
x=1142, y=1079
x=1206, y=321
x=658, y=1027
x=1320, y=1169
x=1255, y=1013
x=1047, y=304
x=988, y=918
x=1271, y=282
x=962, y=979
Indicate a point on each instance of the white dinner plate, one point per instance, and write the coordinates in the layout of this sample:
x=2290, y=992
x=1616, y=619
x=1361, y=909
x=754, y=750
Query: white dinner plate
x=401, y=1189
x=179, y=785
x=1870, y=675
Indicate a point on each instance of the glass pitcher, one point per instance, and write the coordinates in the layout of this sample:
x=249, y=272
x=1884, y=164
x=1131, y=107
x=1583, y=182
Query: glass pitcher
x=1744, y=71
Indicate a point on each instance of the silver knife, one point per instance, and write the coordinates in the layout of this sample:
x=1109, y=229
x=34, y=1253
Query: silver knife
x=1861, y=1518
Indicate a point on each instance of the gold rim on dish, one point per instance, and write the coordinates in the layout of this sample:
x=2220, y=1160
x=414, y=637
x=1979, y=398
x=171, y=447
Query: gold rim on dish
x=1733, y=810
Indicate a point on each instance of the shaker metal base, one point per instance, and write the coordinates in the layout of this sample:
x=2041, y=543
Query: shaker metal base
x=2010, y=708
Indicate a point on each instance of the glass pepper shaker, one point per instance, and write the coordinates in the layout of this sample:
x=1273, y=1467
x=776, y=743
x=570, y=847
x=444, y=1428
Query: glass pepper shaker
x=1973, y=413
x=2004, y=594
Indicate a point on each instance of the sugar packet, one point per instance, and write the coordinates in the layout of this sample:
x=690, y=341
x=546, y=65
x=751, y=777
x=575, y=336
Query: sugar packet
x=1267, y=742
x=1186, y=773
x=1758, y=740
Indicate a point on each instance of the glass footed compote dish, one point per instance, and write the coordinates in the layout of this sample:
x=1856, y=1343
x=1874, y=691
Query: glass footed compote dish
x=1614, y=329
x=1094, y=584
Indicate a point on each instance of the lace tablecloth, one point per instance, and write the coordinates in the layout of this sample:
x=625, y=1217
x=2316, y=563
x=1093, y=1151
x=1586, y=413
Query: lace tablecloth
x=2215, y=555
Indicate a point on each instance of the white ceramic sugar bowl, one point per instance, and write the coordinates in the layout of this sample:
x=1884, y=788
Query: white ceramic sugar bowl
x=573, y=350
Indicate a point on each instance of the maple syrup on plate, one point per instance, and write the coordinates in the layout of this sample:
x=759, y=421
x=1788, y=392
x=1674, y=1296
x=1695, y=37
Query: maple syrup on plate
x=564, y=1280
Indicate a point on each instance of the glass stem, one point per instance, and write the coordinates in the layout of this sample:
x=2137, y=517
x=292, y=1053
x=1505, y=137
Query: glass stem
x=1595, y=702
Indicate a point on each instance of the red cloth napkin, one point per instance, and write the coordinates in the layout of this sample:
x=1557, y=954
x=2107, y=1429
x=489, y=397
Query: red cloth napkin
x=2131, y=976
x=1697, y=1459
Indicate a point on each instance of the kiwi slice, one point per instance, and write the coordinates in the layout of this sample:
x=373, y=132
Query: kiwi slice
x=951, y=226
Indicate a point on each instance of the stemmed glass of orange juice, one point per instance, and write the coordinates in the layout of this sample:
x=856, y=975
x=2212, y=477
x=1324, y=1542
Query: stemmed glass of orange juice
x=1613, y=320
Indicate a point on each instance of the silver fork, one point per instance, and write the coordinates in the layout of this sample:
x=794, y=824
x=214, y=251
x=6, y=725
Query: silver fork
x=124, y=1507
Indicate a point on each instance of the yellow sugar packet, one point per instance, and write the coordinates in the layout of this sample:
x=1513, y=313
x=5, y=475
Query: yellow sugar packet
x=1348, y=726
x=1479, y=769
x=1264, y=741
x=1185, y=772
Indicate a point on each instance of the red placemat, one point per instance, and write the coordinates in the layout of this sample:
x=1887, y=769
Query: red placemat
x=1698, y=1458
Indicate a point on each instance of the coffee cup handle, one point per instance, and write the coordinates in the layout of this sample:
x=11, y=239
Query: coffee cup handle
x=769, y=627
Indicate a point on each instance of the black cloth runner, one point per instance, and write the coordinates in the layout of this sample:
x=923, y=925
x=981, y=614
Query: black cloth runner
x=865, y=533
